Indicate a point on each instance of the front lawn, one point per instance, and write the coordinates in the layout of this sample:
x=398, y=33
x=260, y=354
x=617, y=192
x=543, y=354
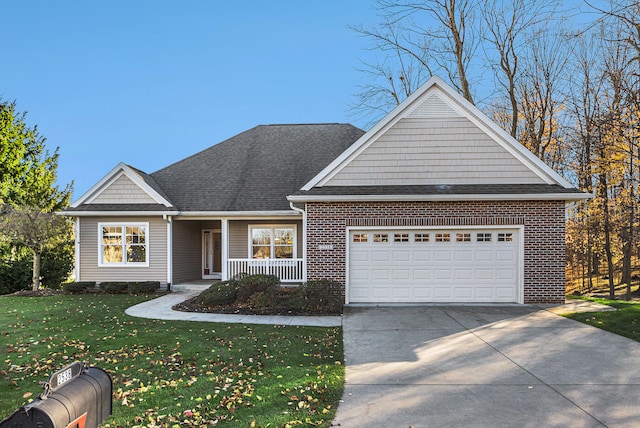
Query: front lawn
x=625, y=321
x=169, y=373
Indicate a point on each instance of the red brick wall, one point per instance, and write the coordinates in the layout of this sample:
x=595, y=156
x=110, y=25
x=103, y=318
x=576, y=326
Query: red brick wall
x=543, y=221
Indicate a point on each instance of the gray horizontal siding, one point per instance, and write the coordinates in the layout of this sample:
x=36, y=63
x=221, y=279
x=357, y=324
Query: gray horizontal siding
x=434, y=151
x=89, y=247
x=187, y=251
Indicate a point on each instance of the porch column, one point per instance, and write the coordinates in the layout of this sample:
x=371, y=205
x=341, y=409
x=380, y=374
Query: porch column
x=224, y=237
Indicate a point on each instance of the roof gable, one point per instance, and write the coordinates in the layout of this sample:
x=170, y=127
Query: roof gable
x=435, y=137
x=123, y=184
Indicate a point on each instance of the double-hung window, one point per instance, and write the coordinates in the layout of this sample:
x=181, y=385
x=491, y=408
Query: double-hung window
x=123, y=244
x=272, y=242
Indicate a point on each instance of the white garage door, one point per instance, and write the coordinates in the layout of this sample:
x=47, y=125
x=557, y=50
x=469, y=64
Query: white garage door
x=449, y=265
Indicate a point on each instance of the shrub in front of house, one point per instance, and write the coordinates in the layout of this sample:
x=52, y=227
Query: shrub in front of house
x=113, y=287
x=286, y=298
x=221, y=293
x=78, y=287
x=322, y=295
x=249, y=285
x=144, y=287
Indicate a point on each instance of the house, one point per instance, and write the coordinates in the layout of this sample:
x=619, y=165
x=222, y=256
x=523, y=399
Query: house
x=435, y=203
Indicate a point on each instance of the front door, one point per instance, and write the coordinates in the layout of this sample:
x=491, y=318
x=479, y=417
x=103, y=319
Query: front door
x=211, y=254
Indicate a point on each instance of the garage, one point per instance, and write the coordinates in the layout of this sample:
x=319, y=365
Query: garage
x=434, y=265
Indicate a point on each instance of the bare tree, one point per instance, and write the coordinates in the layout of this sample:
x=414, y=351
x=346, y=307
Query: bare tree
x=542, y=98
x=416, y=40
x=508, y=27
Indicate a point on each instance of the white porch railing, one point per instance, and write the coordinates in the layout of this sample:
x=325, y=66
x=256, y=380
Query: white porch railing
x=288, y=270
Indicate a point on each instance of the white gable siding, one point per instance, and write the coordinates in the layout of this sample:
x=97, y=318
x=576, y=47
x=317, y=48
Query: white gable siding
x=423, y=149
x=123, y=191
x=433, y=107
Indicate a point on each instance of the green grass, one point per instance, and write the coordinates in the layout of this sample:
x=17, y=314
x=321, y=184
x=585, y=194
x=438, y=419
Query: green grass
x=168, y=373
x=625, y=321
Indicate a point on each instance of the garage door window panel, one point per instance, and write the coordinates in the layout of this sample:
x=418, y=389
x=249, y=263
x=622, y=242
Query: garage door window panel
x=443, y=237
x=380, y=237
x=463, y=237
x=421, y=237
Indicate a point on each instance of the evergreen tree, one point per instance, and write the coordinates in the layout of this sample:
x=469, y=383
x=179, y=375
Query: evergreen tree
x=28, y=193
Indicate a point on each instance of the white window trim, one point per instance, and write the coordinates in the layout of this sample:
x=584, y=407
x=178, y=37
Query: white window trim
x=272, y=226
x=124, y=263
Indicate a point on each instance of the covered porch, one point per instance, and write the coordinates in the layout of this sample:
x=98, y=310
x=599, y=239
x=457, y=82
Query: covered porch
x=222, y=248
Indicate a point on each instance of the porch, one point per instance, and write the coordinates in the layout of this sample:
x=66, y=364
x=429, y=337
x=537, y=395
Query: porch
x=220, y=249
x=288, y=270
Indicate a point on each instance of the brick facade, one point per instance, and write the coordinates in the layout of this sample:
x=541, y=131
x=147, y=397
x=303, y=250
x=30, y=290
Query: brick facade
x=543, y=221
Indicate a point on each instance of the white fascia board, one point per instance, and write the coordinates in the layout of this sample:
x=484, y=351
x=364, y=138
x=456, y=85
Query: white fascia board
x=113, y=175
x=260, y=215
x=442, y=198
x=117, y=213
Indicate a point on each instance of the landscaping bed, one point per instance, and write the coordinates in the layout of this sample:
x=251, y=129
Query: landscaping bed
x=263, y=295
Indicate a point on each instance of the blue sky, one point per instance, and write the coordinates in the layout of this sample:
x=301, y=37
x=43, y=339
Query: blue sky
x=151, y=82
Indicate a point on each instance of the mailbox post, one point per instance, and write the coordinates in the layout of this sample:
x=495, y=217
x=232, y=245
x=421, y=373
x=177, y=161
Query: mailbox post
x=76, y=396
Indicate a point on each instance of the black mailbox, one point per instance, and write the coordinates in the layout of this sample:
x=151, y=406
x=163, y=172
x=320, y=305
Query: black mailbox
x=77, y=396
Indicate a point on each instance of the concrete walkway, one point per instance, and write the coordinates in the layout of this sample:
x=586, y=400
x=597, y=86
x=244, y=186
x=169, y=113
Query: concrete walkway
x=160, y=308
x=485, y=366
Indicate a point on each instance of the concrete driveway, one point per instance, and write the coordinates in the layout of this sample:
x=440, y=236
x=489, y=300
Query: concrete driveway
x=484, y=366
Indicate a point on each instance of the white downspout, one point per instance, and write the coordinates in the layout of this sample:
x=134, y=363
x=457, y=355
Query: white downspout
x=304, y=239
x=224, y=237
x=169, y=220
x=76, y=260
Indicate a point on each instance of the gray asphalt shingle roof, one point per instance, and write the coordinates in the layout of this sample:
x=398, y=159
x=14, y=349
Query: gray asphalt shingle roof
x=254, y=170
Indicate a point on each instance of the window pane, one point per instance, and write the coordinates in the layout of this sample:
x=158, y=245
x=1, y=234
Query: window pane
x=380, y=237
x=112, y=254
x=261, y=236
x=283, y=236
x=111, y=244
x=261, y=252
x=400, y=237
x=421, y=237
x=360, y=237
x=111, y=235
x=135, y=235
x=284, y=252
x=136, y=254
x=283, y=243
x=463, y=237
x=484, y=237
x=443, y=237
x=505, y=237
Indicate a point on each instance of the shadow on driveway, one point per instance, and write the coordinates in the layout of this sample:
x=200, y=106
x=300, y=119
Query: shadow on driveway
x=484, y=366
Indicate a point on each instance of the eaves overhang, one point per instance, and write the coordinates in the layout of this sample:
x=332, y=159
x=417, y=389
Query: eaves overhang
x=116, y=213
x=441, y=198
x=193, y=215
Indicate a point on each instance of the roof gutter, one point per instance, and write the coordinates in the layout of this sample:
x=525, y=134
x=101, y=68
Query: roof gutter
x=442, y=198
x=116, y=213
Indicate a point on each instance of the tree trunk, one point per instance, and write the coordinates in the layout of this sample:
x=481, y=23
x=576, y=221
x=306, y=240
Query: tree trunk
x=36, y=270
x=607, y=233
